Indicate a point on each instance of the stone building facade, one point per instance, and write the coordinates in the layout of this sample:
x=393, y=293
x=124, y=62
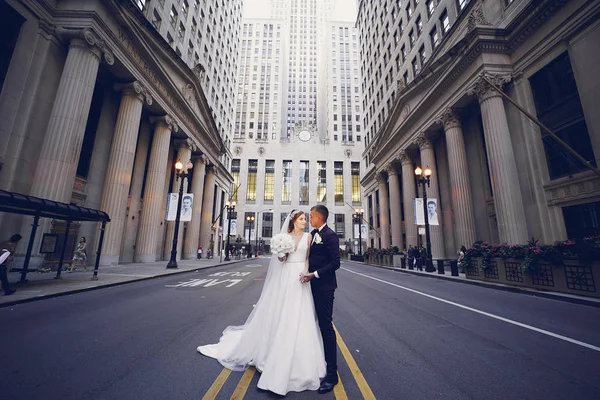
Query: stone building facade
x=496, y=175
x=96, y=109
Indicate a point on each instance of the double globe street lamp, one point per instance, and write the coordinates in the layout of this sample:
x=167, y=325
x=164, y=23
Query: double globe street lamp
x=230, y=215
x=423, y=178
x=179, y=174
x=250, y=219
x=358, y=218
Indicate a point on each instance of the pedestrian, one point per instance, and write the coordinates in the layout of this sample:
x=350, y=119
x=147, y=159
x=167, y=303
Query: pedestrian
x=461, y=254
x=418, y=259
x=7, y=250
x=79, y=256
x=411, y=257
x=199, y=253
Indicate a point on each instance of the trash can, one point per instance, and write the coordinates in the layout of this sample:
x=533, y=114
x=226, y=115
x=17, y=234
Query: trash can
x=440, y=267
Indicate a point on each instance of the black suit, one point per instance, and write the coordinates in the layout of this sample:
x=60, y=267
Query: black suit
x=324, y=258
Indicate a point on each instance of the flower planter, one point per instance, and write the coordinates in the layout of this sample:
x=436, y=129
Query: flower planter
x=575, y=277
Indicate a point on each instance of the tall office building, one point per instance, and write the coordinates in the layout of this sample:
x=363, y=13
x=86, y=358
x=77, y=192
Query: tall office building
x=298, y=138
x=206, y=35
x=496, y=176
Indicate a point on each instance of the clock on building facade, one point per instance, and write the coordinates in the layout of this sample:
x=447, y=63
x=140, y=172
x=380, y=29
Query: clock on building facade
x=304, y=131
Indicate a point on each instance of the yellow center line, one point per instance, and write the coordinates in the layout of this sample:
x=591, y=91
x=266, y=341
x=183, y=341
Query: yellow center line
x=358, y=376
x=213, y=391
x=338, y=390
x=242, y=387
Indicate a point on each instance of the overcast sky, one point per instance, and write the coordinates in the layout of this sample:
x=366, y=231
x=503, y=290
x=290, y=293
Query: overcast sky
x=345, y=9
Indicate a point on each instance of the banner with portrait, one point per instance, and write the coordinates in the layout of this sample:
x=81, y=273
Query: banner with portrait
x=187, y=207
x=432, y=211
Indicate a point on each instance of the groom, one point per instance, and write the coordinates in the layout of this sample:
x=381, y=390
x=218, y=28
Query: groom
x=323, y=260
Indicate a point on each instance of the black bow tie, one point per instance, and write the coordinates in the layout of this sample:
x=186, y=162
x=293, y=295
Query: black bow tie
x=313, y=232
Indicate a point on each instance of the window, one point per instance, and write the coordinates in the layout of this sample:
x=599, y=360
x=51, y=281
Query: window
x=267, y=225
x=419, y=26
x=338, y=182
x=156, y=20
x=462, y=4
x=340, y=225
x=286, y=188
x=355, y=173
x=173, y=17
x=321, y=181
x=412, y=37
x=445, y=21
x=269, y=181
x=435, y=40
x=304, y=188
x=251, y=188
x=235, y=172
x=430, y=7
x=422, y=55
x=558, y=107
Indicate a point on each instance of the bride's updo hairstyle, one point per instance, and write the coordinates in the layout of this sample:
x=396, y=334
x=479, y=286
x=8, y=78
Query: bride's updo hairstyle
x=294, y=215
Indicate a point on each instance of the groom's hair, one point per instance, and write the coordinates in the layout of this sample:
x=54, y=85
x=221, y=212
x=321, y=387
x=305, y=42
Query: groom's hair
x=321, y=209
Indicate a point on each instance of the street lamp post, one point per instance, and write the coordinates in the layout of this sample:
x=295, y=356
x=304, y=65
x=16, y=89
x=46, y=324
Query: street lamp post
x=358, y=218
x=230, y=213
x=179, y=174
x=423, y=178
x=250, y=219
x=256, y=236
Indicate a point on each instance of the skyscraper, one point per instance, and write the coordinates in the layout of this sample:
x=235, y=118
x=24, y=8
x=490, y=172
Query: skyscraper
x=297, y=139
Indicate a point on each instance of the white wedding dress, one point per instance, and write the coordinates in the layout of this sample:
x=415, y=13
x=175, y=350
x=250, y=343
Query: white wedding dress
x=281, y=337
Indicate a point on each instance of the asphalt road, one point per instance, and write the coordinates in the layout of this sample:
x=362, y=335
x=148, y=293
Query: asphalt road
x=411, y=337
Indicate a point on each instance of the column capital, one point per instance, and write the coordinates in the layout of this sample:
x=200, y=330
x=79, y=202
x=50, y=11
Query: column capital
x=134, y=89
x=90, y=37
x=200, y=158
x=449, y=119
x=167, y=121
x=380, y=179
x=186, y=143
x=482, y=89
x=423, y=142
x=404, y=157
x=391, y=170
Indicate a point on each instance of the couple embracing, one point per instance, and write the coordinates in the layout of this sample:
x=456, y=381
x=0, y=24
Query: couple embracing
x=289, y=335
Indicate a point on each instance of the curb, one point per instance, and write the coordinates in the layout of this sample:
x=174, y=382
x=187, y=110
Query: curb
x=506, y=288
x=108, y=285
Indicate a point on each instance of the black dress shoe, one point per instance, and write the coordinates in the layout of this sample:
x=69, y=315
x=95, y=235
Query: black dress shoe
x=326, y=387
x=9, y=292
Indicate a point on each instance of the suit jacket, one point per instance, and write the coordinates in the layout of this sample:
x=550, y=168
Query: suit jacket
x=325, y=259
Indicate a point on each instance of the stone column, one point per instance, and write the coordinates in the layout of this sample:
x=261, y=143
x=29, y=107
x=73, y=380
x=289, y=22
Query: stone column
x=184, y=154
x=207, y=207
x=409, y=193
x=510, y=214
x=462, y=202
x=192, y=233
x=57, y=165
x=395, y=207
x=152, y=212
x=135, y=194
x=384, y=212
x=428, y=160
x=120, y=167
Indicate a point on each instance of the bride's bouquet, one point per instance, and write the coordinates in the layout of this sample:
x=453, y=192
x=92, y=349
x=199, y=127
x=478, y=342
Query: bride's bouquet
x=281, y=244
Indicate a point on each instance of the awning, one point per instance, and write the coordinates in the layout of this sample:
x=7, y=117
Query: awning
x=17, y=203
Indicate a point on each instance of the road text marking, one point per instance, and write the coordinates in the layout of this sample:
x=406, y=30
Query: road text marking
x=510, y=321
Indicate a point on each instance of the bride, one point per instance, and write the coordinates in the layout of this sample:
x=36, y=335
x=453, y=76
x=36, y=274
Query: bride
x=281, y=337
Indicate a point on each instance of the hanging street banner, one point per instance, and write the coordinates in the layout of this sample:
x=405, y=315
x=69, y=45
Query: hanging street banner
x=419, y=217
x=186, y=207
x=363, y=233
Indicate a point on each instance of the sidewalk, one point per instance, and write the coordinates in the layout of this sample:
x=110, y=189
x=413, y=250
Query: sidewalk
x=589, y=301
x=43, y=285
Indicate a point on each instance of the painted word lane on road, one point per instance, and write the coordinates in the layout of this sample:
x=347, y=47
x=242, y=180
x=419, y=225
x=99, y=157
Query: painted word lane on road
x=226, y=279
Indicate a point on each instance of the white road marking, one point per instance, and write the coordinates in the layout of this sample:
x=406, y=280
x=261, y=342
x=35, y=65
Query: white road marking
x=510, y=321
x=205, y=282
x=230, y=274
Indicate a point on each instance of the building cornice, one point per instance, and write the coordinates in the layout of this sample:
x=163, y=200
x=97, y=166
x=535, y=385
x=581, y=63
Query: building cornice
x=450, y=66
